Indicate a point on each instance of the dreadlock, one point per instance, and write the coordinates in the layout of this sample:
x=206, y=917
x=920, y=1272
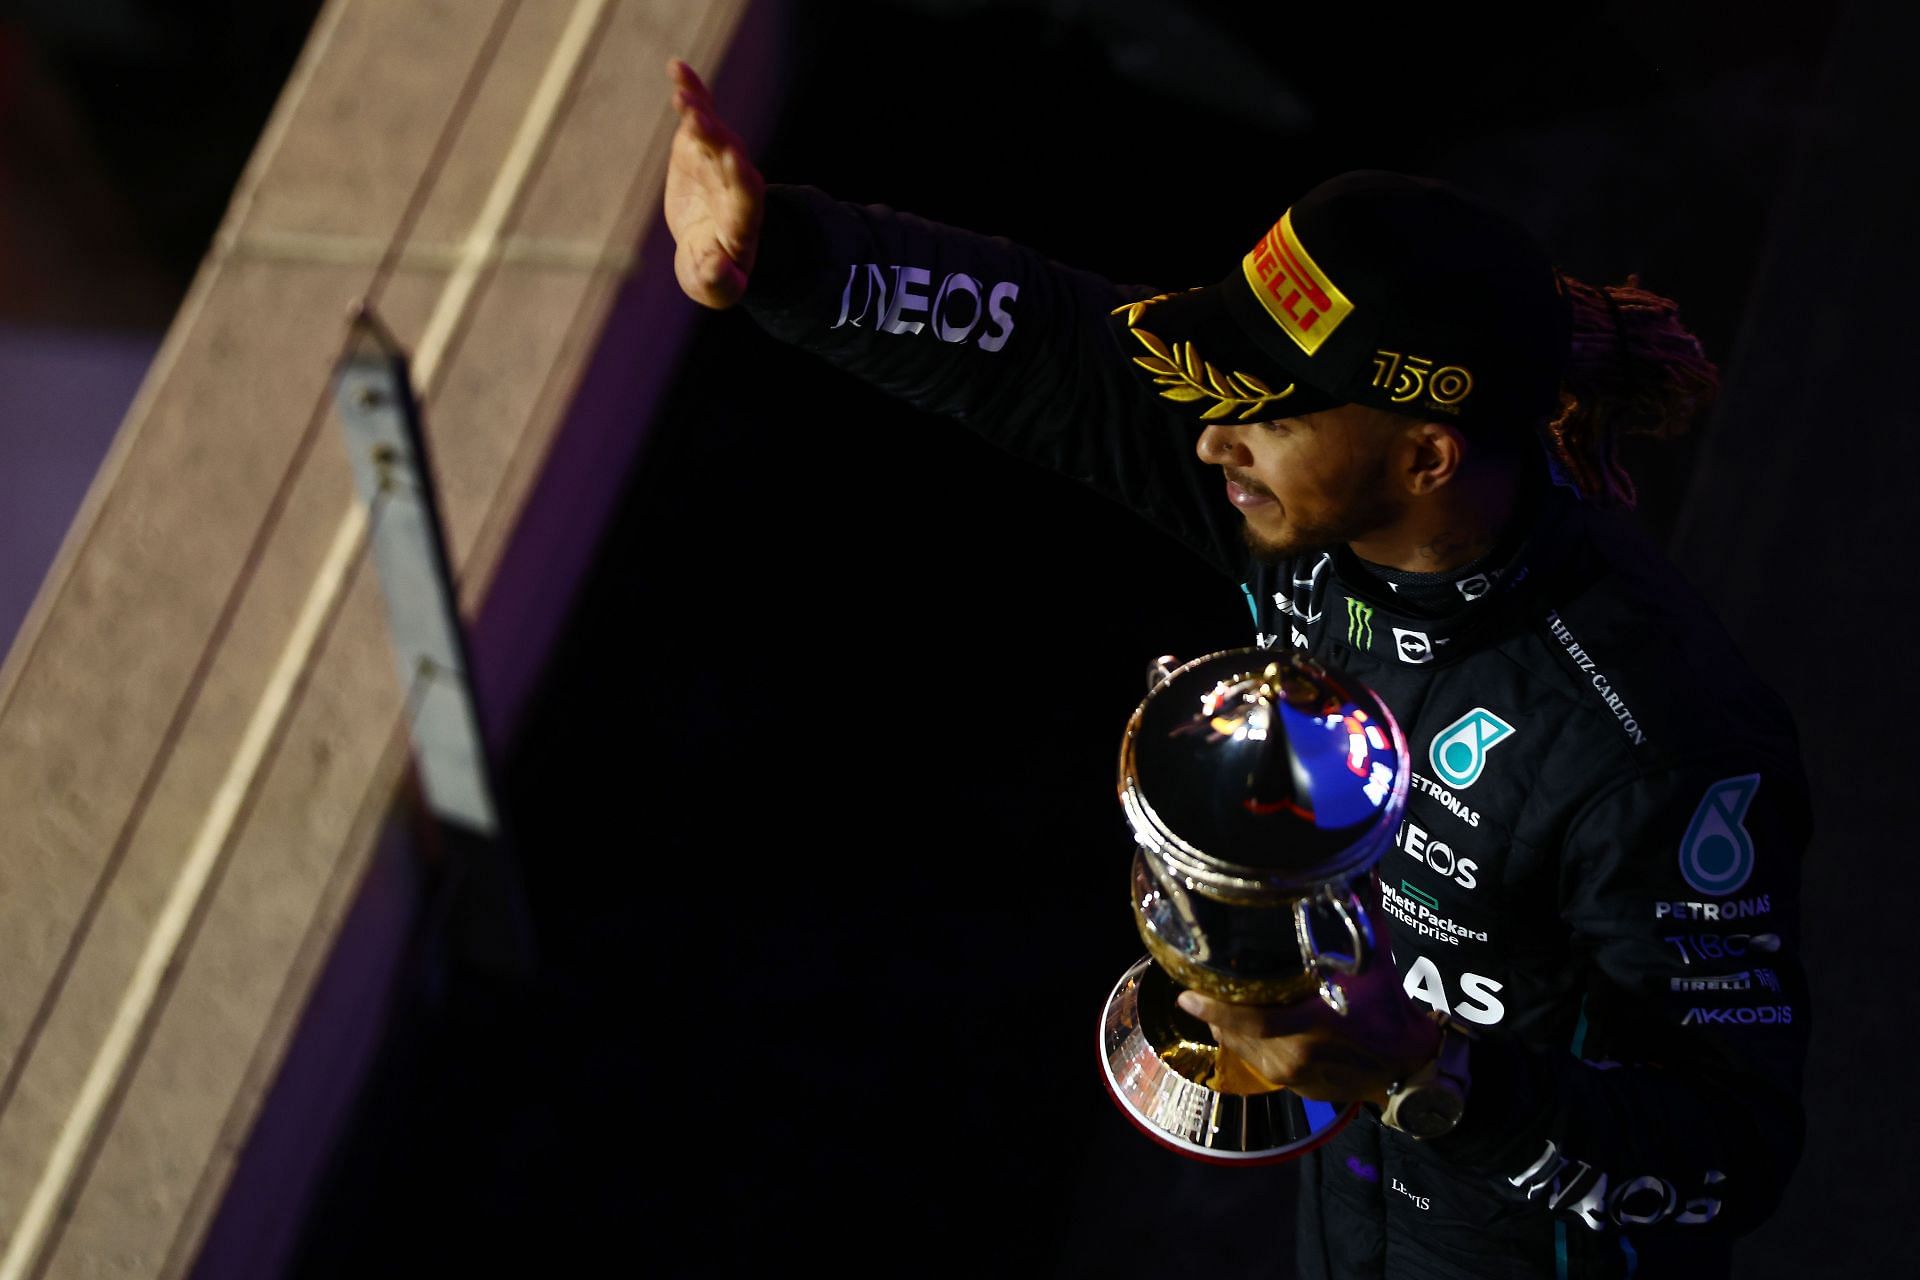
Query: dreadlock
x=1635, y=371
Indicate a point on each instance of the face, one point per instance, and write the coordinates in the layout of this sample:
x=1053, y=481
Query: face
x=1309, y=482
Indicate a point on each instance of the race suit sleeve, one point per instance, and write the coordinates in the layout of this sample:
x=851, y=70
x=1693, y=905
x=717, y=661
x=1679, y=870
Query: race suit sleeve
x=1016, y=346
x=1677, y=1106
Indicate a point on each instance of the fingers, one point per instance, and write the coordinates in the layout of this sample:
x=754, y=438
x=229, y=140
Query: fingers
x=688, y=86
x=703, y=128
x=1261, y=1021
x=694, y=103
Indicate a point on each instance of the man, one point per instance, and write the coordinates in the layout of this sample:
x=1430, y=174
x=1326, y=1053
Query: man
x=1584, y=1059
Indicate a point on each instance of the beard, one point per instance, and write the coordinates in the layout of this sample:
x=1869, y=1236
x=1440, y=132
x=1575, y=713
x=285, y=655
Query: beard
x=1275, y=551
x=1364, y=509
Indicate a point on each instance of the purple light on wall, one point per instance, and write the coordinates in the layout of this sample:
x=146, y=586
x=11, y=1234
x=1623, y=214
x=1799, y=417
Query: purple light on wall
x=63, y=394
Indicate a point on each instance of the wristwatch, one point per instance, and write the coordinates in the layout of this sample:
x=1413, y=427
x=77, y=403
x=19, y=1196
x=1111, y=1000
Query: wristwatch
x=1430, y=1102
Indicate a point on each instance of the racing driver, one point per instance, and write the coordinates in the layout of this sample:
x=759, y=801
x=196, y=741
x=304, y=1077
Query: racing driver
x=1585, y=1057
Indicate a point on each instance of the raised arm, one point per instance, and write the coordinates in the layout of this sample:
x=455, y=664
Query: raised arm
x=1020, y=348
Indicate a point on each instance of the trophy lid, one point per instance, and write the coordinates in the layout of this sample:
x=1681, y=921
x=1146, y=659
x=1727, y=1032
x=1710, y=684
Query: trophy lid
x=1251, y=770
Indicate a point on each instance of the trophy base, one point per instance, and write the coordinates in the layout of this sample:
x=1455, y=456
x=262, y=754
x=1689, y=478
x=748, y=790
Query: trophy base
x=1170, y=1079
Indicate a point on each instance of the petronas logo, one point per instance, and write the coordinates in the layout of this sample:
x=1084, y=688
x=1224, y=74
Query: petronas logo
x=1716, y=856
x=1459, y=751
x=1359, y=624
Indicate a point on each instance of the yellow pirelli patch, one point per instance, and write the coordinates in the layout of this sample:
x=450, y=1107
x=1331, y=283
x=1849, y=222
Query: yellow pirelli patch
x=1293, y=288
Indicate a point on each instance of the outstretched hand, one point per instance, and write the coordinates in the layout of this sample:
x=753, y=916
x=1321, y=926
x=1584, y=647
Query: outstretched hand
x=714, y=198
x=1319, y=1054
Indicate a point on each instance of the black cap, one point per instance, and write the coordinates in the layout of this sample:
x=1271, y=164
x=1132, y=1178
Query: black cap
x=1374, y=288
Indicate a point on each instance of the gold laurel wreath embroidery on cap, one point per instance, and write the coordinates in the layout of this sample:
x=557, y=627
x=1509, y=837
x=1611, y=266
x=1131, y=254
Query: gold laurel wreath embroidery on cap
x=1182, y=375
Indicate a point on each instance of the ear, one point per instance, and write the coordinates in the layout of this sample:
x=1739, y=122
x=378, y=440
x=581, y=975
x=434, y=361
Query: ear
x=1431, y=454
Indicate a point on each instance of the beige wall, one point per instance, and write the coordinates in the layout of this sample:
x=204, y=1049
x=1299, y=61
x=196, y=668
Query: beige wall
x=200, y=729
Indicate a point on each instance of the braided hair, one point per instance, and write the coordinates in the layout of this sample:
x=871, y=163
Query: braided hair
x=1635, y=371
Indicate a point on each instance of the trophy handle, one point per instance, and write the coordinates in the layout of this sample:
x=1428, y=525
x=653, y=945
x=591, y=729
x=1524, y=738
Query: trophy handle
x=1359, y=930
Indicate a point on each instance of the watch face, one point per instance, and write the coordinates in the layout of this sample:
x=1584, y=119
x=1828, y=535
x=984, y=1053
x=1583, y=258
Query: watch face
x=1429, y=1112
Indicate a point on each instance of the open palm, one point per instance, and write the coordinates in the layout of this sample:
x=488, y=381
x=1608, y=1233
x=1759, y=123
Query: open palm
x=714, y=198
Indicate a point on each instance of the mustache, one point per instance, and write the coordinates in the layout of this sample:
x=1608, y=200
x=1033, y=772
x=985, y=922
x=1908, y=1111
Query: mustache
x=1247, y=482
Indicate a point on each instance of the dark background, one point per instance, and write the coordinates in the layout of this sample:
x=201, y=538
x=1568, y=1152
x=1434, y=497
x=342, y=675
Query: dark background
x=815, y=812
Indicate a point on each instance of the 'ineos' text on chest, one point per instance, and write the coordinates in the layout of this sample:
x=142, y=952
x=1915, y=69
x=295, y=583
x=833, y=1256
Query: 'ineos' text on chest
x=1413, y=840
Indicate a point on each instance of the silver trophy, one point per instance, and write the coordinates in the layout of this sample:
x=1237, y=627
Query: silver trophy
x=1260, y=786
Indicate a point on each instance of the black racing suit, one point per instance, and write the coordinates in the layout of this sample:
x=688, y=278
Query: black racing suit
x=1599, y=862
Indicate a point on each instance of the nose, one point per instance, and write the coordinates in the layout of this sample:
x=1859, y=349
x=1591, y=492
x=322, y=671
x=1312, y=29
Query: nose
x=1221, y=445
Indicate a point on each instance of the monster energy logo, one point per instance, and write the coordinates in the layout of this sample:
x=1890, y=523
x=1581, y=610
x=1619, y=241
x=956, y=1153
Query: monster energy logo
x=1359, y=624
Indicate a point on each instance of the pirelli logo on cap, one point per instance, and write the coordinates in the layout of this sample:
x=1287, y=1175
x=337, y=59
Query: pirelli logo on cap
x=1292, y=287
